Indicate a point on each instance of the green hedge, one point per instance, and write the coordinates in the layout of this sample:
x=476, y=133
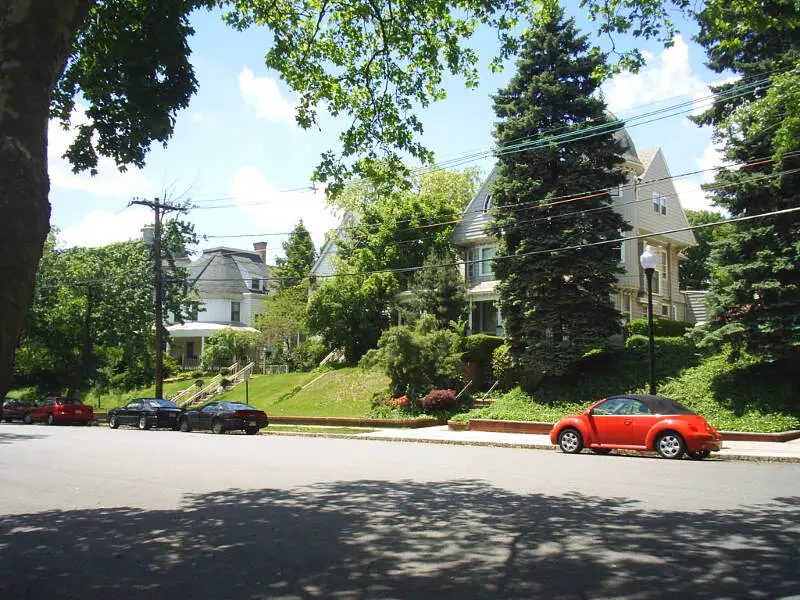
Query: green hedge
x=479, y=348
x=661, y=327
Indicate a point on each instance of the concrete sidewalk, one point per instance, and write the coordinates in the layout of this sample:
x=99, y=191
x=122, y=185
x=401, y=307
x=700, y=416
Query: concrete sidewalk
x=776, y=451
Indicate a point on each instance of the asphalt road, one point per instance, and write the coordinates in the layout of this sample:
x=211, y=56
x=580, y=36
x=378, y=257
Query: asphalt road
x=95, y=513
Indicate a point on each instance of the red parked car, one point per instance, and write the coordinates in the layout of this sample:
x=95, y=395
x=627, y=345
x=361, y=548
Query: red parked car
x=59, y=410
x=637, y=422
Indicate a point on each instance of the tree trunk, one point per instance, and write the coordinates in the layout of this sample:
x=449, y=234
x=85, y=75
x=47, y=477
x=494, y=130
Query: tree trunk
x=36, y=38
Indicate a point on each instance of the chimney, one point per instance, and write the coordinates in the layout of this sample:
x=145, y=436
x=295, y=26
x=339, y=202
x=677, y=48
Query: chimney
x=261, y=248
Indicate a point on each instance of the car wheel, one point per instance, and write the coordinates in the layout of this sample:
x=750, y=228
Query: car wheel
x=113, y=422
x=570, y=440
x=698, y=454
x=51, y=420
x=217, y=427
x=251, y=430
x=670, y=445
x=27, y=419
x=601, y=450
x=143, y=423
x=183, y=425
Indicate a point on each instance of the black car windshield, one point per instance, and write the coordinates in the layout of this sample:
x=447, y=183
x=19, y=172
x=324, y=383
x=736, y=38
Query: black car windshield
x=665, y=406
x=237, y=406
x=163, y=404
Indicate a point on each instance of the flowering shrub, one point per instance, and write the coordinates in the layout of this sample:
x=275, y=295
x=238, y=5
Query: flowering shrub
x=438, y=400
x=401, y=402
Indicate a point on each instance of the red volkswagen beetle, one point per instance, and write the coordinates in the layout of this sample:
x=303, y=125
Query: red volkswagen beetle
x=637, y=422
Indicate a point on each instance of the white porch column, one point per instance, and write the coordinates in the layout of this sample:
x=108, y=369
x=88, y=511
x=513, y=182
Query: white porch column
x=469, y=316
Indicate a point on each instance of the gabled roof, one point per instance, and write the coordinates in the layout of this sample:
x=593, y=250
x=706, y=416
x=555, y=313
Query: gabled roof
x=475, y=217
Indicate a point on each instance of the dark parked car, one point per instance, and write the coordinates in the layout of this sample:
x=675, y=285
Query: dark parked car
x=14, y=409
x=59, y=409
x=220, y=417
x=638, y=422
x=146, y=413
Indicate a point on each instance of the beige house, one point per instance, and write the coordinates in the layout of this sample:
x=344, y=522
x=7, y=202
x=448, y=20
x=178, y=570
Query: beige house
x=648, y=202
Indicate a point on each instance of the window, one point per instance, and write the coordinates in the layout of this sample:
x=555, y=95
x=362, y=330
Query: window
x=665, y=310
x=236, y=311
x=487, y=204
x=487, y=254
x=621, y=406
x=625, y=307
x=659, y=203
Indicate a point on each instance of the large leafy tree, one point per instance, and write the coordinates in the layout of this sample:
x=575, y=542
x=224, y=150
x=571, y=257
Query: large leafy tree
x=284, y=318
x=349, y=311
x=556, y=305
x=377, y=60
x=397, y=228
x=293, y=268
x=695, y=271
x=92, y=315
x=755, y=288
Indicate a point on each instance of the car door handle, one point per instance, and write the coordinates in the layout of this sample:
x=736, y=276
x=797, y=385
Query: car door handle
x=628, y=421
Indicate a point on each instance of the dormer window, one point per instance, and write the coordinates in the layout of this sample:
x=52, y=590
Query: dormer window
x=487, y=203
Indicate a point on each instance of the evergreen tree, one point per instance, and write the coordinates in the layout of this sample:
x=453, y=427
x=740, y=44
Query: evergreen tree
x=755, y=289
x=556, y=305
x=300, y=257
x=695, y=271
x=440, y=291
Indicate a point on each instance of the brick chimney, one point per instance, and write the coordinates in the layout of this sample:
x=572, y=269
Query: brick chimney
x=261, y=248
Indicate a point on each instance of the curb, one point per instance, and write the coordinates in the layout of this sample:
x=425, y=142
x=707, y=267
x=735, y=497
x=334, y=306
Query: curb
x=515, y=445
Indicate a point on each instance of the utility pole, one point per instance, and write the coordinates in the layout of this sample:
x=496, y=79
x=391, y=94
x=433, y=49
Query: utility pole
x=159, y=209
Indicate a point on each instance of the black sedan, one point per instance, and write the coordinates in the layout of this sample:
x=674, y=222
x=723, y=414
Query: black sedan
x=220, y=417
x=146, y=413
x=14, y=409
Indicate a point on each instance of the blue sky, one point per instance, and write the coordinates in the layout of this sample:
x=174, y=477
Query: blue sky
x=237, y=147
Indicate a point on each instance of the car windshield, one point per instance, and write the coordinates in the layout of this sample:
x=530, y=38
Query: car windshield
x=157, y=403
x=67, y=401
x=238, y=406
x=666, y=406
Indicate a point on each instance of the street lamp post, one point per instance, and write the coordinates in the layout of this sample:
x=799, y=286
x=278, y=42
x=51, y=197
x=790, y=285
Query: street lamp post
x=648, y=262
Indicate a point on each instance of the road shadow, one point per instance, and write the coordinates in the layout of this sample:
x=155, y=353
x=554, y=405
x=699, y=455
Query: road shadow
x=379, y=539
x=9, y=437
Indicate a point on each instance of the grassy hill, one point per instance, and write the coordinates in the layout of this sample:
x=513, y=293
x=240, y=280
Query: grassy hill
x=344, y=392
x=734, y=395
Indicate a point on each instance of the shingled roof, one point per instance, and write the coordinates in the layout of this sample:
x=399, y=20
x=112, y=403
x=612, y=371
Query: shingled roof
x=224, y=270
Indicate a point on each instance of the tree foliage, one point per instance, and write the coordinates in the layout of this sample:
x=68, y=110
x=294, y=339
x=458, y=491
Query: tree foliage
x=351, y=311
x=398, y=226
x=695, y=271
x=439, y=289
x=300, y=255
x=755, y=286
x=417, y=359
x=230, y=344
x=284, y=318
x=555, y=305
x=91, y=321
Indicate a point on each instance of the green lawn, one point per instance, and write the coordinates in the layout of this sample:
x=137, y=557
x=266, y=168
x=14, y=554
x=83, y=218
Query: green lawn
x=734, y=395
x=344, y=392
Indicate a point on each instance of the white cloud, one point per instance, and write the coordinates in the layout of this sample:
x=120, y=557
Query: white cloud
x=100, y=227
x=109, y=181
x=710, y=159
x=273, y=211
x=691, y=195
x=263, y=94
x=668, y=76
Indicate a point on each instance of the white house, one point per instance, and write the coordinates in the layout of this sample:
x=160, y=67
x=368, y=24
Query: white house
x=232, y=285
x=648, y=202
